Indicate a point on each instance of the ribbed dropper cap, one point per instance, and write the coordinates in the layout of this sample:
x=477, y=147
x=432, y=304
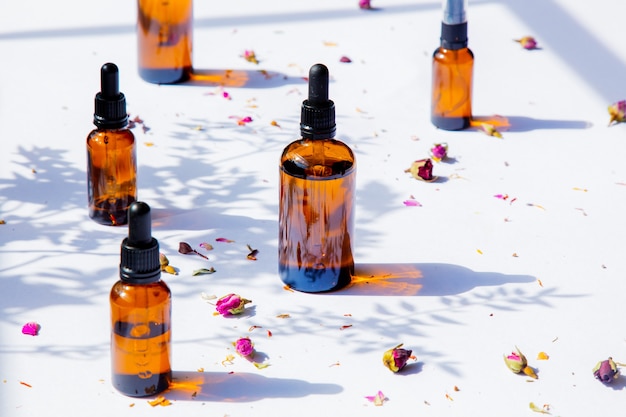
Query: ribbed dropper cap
x=139, y=262
x=318, y=112
x=110, y=104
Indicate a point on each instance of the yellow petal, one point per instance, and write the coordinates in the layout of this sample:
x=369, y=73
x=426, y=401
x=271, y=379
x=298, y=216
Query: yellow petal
x=530, y=372
x=542, y=356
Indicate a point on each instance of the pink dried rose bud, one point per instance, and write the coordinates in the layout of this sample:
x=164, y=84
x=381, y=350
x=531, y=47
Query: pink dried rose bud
x=517, y=363
x=606, y=371
x=31, y=328
x=422, y=169
x=365, y=4
x=231, y=304
x=439, y=151
x=244, y=346
x=527, y=42
x=617, y=111
x=395, y=359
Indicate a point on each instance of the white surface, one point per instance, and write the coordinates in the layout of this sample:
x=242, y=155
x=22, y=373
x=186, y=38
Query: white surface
x=205, y=177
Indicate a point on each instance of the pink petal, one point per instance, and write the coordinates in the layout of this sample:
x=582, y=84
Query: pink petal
x=31, y=328
x=412, y=203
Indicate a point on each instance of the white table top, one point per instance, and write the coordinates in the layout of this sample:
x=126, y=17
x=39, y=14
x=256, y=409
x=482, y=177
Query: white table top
x=461, y=280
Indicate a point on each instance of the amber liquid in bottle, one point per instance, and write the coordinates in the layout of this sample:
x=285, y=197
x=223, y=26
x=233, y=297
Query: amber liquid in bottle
x=111, y=175
x=316, y=215
x=140, y=338
x=164, y=40
x=452, y=88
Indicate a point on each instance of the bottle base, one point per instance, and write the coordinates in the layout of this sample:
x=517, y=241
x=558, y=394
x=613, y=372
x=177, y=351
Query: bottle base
x=165, y=76
x=135, y=386
x=314, y=280
x=451, y=123
x=111, y=213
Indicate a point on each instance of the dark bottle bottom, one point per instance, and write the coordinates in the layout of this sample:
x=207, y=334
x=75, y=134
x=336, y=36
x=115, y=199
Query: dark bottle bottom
x=111, y=213
x=135, y=386
x=315, y=280
x=451, y=123
x=165, y=76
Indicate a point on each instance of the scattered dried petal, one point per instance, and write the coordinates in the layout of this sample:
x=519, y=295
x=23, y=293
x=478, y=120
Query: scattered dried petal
x=223, y=239
x=537, y=409
x=250, y=56
x=542, y=356
x=26, y=384
x=345, y=59
x=169, y=269
x=206, y=246
x=527, y=42
x=31, y=328
x=490, y=130
x=377, y=399
x=283, y=316
x=203, y=271
x=253, y=253
x=412, y=203
x=160, y=400
x=345, y=326
x=275, y=123
x=261, y=365
x=185, y=248
x=617, y=111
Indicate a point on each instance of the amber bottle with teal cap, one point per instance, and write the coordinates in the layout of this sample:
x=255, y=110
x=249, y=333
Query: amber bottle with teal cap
x=317, y=197
x=452, y=71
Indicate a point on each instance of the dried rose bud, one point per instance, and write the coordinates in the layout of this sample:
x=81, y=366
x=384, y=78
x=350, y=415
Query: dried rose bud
x=517, y=363
x=439, y=151
x=422, y=169
x=250, y=56
x=244, y=346
x=606, y=371
x=365, y=4
x=617, y=112
x=527, y=42
x=231, y=304
x=395, y=359
x=31, y=328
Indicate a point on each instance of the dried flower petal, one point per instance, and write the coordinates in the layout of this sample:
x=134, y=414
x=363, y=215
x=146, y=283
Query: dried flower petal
x=250, y=56
x=439, y=151
x=345, y=59
x=231, y=304
x=606, y=371
x=31, y=328
x=527, y=42
x=223, y=239
x=261, y=365
x=412, y=203
x=377, y=399
x=396, y=358
x=542, y=356
x=203, y=271
x=244, y=346
x=185, y=249
x=253, y=253
x=160, y=400
x=617, y=112
x=365, y=4
x=490, y=130
x=206, y=246
x=422, y=169
x=537, y=409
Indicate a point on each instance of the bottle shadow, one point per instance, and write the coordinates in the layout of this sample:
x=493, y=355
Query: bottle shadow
x=238, y=78
x=423, y=279
x=240, y=387
x=526, y=124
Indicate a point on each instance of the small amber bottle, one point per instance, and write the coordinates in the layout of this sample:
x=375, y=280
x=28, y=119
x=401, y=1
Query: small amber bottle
x=164, y=40
x=111, y=154
x=140, y=313
x=317, y=196
x=452, y=71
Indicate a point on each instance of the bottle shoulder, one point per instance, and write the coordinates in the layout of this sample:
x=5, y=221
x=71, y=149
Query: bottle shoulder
x=314, y=149
x=462, y=55
x=129, y=294
x=117, y=137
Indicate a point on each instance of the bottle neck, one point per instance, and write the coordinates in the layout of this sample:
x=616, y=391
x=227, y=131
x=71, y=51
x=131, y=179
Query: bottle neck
x=454, y=37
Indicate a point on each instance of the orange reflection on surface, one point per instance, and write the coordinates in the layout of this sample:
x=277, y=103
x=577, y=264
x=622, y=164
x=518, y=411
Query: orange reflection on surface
x=387, y=279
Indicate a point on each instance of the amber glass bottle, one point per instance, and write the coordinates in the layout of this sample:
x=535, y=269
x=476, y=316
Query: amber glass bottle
x=140, y=313
x=316, y=203
x=111, y=154
x=164, y=40
x=452, y=71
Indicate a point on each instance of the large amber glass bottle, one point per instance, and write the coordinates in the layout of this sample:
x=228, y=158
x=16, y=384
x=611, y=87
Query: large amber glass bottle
x=317, y=197
x=140, y=313
x=452, y=71
x=164, y=40
x=111, y=154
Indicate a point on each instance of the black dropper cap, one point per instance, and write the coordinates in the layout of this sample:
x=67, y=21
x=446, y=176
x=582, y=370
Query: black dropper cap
x=140, y=251
x=317, y=119
x=110, y=104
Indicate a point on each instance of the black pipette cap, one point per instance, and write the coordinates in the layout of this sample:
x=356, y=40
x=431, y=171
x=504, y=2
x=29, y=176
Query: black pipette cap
x=110, y=104
x=317, y=119
x=140, y=251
